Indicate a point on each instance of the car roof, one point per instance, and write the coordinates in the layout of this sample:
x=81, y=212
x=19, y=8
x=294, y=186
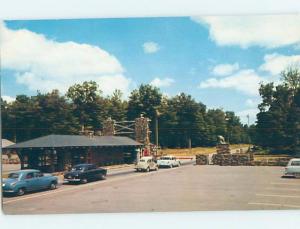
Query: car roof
x=295, y=159
x=26, y=171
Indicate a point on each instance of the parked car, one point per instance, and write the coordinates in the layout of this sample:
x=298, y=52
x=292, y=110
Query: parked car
x=146, y=164
x=27, y=180
x=293, y=168
x=168, y=161
x=85, y=172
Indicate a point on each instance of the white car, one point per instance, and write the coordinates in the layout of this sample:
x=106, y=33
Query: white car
x=168, y=161
x=293, y=168
x=146, y=164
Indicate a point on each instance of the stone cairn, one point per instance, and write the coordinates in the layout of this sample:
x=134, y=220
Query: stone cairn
x=223, y=148
x=109, y=127
x=142, y=134
x=201, y=159
x=225, y=158
x=142, y=131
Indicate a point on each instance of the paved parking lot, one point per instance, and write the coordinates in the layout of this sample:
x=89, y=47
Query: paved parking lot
x=187, y=188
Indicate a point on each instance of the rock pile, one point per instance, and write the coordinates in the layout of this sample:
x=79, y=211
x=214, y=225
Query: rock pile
x=231, y=159
x=201, y=159
x=281, y=161
x=223, y=149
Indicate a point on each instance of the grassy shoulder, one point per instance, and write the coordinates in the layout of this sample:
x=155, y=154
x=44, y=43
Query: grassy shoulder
x=258, y=156
x=198, y=150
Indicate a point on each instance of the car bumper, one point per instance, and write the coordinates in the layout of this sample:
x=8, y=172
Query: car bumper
x=164, y=165
x=72, y=179
x=8, y=191
x=291, y=174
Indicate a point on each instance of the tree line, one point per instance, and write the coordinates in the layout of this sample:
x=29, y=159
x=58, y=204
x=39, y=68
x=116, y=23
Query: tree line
x=277, y=127
x=181, y=119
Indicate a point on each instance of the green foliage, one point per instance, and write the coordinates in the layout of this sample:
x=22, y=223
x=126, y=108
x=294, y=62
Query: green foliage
x=86, y=103
x=144, y=100
x=278, y=122
x=180, y=118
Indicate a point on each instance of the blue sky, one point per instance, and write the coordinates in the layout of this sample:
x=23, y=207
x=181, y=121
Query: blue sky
x=220, y=61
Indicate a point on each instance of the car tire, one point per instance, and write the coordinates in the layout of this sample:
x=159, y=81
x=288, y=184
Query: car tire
x=53, y=186
x=21, y=192
x=102, y=177
x=83, y=181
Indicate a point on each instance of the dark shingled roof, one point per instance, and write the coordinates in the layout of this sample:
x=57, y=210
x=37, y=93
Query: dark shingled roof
x=54, y=141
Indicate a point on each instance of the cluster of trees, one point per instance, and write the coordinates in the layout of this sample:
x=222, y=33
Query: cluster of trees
x=181, y=118
x=278, y=122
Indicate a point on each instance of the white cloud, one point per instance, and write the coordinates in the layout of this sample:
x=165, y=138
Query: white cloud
x=244, y=115
x=251, y=103
x=276, y=63
x=225, y=69
x=8, y=99
x=150, y=47
x=267, y=31
x=43, y=64
x=166, y=82
x=246, y=81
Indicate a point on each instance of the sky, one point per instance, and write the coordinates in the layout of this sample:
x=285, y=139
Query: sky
x=220, y=61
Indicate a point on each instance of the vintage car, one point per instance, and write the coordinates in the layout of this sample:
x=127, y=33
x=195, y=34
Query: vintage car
x=85, y=172
x=146, y=164
x=168, y=162
x=28, y=180
x=293, y=168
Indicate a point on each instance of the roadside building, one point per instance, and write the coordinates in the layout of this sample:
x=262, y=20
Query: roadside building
x=9, y=156
x=5, y=143
x=59, y=152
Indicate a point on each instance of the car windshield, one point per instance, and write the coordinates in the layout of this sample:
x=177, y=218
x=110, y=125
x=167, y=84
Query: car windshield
x=78, y=168
x=295, y=163
x=14, y=175
x=165, y=158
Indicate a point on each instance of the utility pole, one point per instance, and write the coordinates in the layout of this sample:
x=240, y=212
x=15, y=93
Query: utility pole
x=190, y=145
x=248, y=119
x=228, y=129
x=249, y=140
x=156, y=131
x=157, y=114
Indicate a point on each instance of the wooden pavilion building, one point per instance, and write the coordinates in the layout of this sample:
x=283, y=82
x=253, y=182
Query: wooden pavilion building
x=59, y=152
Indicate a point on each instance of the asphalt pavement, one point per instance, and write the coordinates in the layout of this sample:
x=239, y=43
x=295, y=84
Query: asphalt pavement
x=187, y=188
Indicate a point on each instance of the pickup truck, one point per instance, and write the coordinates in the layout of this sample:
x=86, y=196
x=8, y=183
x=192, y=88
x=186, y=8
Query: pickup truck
x=85, y=172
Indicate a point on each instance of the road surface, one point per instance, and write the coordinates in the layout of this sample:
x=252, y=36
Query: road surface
x=187, y=188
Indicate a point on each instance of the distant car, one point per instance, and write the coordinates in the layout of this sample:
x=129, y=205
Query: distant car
x=27, y=180
x=168, y=161
x=293, y=168
x=85, y=172
x=146, y=164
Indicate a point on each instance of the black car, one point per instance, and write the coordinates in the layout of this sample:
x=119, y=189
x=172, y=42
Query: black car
x=85, y=172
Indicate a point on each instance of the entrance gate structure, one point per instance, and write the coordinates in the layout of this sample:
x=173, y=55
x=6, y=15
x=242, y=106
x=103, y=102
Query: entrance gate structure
x=138, y=129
